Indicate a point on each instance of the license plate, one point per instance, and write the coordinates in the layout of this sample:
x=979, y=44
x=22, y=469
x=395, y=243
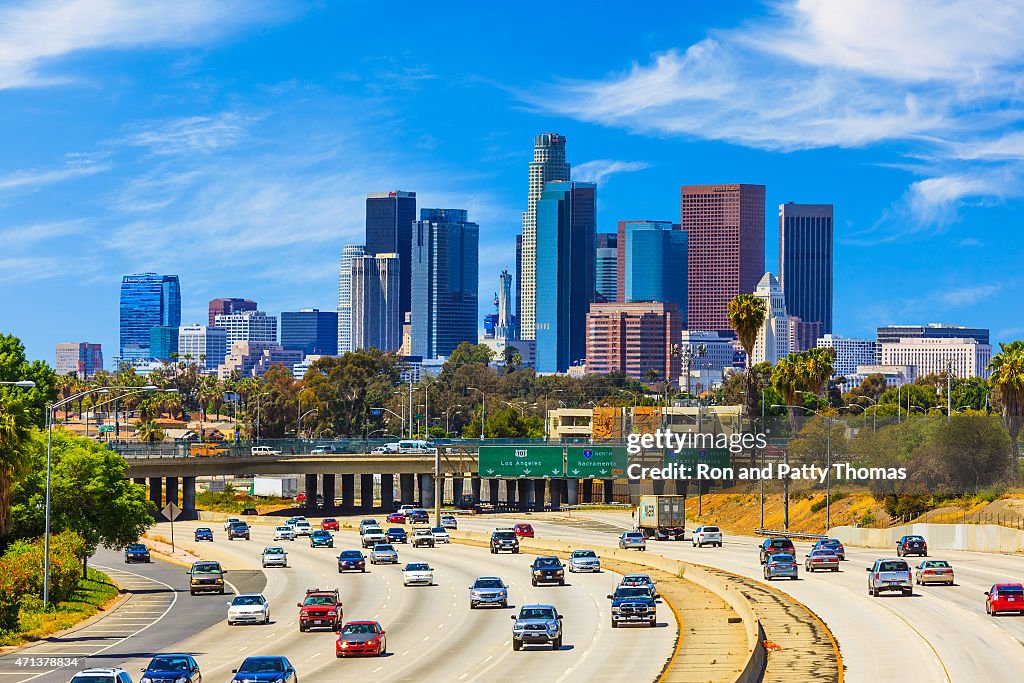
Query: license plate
x=892, y=583
x=316, y=621
x=1010, y=599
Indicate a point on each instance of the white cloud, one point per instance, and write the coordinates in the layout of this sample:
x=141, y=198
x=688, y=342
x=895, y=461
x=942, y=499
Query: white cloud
x=33, y=34
x=598, y=170
x=968, y=296
x=191, y=135
x=34, y=179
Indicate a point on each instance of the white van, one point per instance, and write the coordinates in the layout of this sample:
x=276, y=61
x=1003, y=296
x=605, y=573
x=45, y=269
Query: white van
x=263, y=450
x=414, y=446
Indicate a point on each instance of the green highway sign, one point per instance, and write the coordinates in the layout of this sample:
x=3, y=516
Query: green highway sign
x=106, y=429
x=517, y=462
x=595, y=462
x=691, y=457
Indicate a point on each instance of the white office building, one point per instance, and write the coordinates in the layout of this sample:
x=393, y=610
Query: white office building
x=773, y=338
x=247, y=326
x=849, y=352
x=203, y=345
x=376, y=320
x=964, y=357
x=348, y=252
x=895, y=375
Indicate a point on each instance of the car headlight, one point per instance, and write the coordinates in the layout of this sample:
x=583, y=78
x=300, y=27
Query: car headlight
x=218, y=580
x=343, y=644
x=145, y=679
x=182, y=679
x=279, y=680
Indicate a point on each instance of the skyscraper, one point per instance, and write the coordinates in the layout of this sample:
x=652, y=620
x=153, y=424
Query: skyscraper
x=376, y=322
x=654, y=263
x=311, y=331
x=805, y=261
x=773, y=338
x=163, y=342
x=389, y=218
x=224, y=306
x=506, y=323
x=566, y=224
x=83, y=359
x=202, y=345
x=147, y=300
x=725, y=231
x=519, y=279
x=254, y=326
x=606, y=266
x=634, y=338
x=548, y=165
x=445, y=279
x=348, y=252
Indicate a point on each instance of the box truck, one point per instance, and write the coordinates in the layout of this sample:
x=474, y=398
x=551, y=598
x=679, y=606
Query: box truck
x=662, y=517
x=279, y=487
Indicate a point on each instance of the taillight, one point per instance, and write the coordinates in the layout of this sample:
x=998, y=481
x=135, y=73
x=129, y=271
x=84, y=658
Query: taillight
x=876, y=576
x=773, y=565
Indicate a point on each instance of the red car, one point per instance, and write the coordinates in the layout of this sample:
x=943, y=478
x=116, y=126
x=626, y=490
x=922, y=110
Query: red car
x=1004, y=597
x=361, y=638
x=300, y=497
x=396, y=518
x=329, y=524
x=523, y=530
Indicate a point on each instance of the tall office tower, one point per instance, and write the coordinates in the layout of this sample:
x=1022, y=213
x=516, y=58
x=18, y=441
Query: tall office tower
x=548, y=165
x=620, y=250
x=163, y=342
x=725, y=228
x=202, y=345
x=147, y=300
x=389, y=218
x=804, y=335
x=773, y=338
x=254, y=326
x=519, y=279
x=505, y=326
x=891, y=334
x=805, y=261
x=348, y=252
x=376, y=291
x=311, y=331
x=633, y=338
x=654, y=256
x=566, y=224
x=83, y=359
x=606, y=274
x=226, y=306
x=445, y=279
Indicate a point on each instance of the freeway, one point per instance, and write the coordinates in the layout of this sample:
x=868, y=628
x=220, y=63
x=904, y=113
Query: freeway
x=431, y=632
x=940, y=634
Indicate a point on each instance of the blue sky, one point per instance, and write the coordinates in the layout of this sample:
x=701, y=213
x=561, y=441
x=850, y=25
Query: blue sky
x=233, y=143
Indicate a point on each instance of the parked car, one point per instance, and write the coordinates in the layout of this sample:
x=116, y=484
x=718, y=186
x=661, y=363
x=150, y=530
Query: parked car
x=274, y=556
x=180, y=668
x=274, y=669
x=780, y=565
x=537, y=625
x=206, y=577
x=449, y=522
x=383, y=553
x=136, y=552
x=321, y=539
x=547, y=570
x=417, y=573
x=911, y=545
x=330, y=524
x=833, y=544
x=523, y=530
x=488, y=590
x=204, y=533
x=707, y=535
x=776, y=546
x=634, y=540
x=584, y=561
x=890, y=575
x=248, y=608
x=1004, y=597
x=361, y=638
x=934, y=571
x=440, y=534
x=285, y=532
x=397, y=534
x=351, y=560
x=821, y=559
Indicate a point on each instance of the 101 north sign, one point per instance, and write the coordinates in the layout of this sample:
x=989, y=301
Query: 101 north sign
x=518, y=462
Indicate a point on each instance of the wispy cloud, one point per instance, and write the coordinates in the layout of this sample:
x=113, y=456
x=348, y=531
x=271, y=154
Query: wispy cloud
x=968, y=296
x=598, y=170
x=36, y=33
x=35, y=179
x=192, y=135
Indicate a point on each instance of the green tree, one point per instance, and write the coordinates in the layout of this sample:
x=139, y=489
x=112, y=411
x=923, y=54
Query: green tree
x=747, y=315
x=1007, y=378
x=15, y=430
x=466, y=352
x=14, y=367
x=511, y=358
x=149, y=431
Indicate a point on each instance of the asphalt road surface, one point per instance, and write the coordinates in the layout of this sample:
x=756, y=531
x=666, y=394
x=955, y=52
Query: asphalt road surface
x=940, y=634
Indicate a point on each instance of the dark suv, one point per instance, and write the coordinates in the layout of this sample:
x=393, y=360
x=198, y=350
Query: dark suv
x=776, y=546
x=504, y=539
x=238, y=530
x=206, y=577
x=912, y=545
x=547, y=570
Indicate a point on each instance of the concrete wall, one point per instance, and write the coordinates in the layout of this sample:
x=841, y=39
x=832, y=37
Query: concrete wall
x=988, y=538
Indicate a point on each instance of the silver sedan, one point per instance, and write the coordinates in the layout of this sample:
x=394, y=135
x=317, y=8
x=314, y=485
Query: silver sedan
x=383, y=553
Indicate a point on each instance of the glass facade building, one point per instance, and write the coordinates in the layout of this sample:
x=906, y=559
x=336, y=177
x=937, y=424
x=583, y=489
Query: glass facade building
x=311, y=331
x=566, y=228
x=655, y=263
x=389, y=219
x=606, y=260
x=805, y=261
x=163, y=341
x=147, y=300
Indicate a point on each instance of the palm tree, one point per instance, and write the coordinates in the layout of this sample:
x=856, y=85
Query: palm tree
x=747, y=315
x=66, y=388
x=816, y=369
x=1007, y=378
x=787, y=380
x=14, y=434
x=149, y=431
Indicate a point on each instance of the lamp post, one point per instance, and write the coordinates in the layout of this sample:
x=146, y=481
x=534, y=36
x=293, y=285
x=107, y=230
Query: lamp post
x=447, y=414
x=400, y=417
x=22, y=383
x=426, y=407
x=308, y=412
x=483, y=414
x=828, y=467
x=117, y=398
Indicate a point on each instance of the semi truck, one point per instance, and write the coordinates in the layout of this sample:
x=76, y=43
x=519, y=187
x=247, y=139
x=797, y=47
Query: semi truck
x=662, y=517
x=274, y=487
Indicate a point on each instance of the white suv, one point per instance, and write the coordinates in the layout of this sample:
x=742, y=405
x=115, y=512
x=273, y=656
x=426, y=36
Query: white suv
x=102, y=676
x=303, y=528
x=707, y=535
x=229, y=521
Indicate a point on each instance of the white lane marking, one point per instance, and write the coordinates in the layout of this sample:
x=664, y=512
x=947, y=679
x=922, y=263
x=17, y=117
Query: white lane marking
x=463, y=676
x=377, y=669
x=425, y=639
x=316, y=655
x=488, y=658
x=404, y=653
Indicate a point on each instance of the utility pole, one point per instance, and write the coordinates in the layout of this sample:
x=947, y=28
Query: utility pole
x=949, y=389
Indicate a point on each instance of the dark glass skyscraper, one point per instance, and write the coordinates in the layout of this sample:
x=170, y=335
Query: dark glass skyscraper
x=566, y=227
x=389, y=219
x=445, y=280
x=654, y=263
x=147, y=300
x=805, y=261
x=312, y=331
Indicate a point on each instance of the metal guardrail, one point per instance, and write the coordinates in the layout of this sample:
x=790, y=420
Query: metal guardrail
x=789, y=534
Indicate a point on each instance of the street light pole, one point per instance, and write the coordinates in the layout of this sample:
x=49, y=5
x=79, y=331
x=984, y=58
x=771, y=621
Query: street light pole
x=483, y=413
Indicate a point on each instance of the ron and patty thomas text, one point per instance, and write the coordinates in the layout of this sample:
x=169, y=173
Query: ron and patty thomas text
x=780, y=471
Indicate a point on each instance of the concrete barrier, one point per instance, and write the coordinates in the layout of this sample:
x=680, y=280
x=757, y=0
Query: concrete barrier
x=986, y=538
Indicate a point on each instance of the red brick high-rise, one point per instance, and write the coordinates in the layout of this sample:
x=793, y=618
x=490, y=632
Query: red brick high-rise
x=634, y=338
x=726, y=248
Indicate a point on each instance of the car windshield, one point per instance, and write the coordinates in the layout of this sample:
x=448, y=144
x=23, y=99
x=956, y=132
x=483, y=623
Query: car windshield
x=320, y=600
x=383, y=548
x=368, y=522
x=330, y=520
x=504, y=535
x=1014, y=590
x=261, y=665
x=936, y=564
x=396, y=530
x=321, y=534
x=89, y=678
x=206, y=569
x=359, y=628
x=274, y=551
x=351, y=555
x=782, y=558
x=710, y=529
x=203, y=530
x=417, y=567
x=536, y=613
x=302, y=522
x=635, y=579
x=169, y=664
x=248, y=600
x=584, y=553
x=239, y=525
x=914, y=538
x=547, y=562
x=488, y=583
x=136, y=547
x=893, y=567
x=439, y=529
x=373, y=530
x=632, y=592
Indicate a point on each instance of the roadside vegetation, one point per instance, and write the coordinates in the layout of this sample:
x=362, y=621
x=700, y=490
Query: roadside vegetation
x=232, y=502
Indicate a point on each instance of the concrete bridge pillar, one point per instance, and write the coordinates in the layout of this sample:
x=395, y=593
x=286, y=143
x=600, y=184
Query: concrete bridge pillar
x=458, y=485
x=588, y=490
x=556, y=494
x=609, y=488
x=156, y=491
x=526, y=492
x=442, y=485
x=348, y=492
x=572, y=491
x=330, y=487
x=538, y=494
x=172, y=490
x=140, y=480
x=387, y=492
x=366, y=492
x=493, y=485
x=188, y=498
x=427, y=490
x=659, y=487
x=311, y=494
x=680, y=486
x=407, y=488
x=510, y=493
x=475, y=486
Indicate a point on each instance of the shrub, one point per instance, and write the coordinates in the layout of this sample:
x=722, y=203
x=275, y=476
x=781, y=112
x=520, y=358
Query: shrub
x=867, y=519
x=66, y=552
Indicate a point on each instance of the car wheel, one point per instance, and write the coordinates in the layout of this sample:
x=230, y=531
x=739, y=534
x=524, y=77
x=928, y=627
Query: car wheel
x=472, y=605
x=504, y=603
x=557, y=644
x=363, y=570
x=191, y=592
x=534, y=582
x=222, y=591
x=835, y=569
x=652, y=623
x=908, y=592
x=561, y=582
x=615, y=624
x=516, y=645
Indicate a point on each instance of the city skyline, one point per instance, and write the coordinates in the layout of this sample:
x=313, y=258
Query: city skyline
x=151, y=150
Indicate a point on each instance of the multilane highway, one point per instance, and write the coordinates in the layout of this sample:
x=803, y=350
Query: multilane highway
x=431, y=632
